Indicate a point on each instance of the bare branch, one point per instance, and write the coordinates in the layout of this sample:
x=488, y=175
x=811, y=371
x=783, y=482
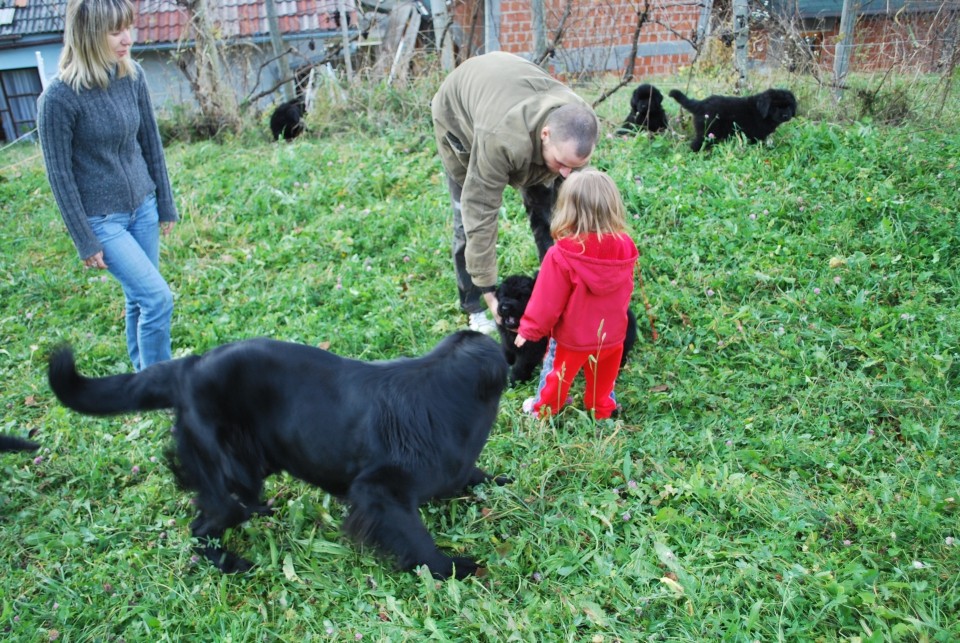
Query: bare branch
x=264, y=65
x=557, y=36
x=642, y=17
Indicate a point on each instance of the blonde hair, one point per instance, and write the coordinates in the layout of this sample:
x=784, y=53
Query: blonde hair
x=589, y=203
x=87, y=60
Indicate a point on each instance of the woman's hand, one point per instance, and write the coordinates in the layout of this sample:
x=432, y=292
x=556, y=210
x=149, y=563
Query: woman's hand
x=95, y=261
x=166, y=227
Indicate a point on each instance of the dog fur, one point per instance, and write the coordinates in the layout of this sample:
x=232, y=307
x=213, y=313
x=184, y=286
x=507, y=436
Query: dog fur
x=513, y=294
x=538, y=201
x=286, y=122
x=11, y=443
x=646, y=111
x=755, y=116
x=384, y=436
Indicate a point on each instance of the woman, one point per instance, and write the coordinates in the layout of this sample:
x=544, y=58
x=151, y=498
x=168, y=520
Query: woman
x=106, y=167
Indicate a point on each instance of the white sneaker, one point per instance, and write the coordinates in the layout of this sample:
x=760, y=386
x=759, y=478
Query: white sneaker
x=528, y=405
x=483, y=324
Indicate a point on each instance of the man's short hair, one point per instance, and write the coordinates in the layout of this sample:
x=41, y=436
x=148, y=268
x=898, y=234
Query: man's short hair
x=577, y=123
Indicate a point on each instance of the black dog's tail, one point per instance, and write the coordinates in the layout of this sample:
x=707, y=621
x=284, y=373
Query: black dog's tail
x=153, y=388
x=10, y=443
x=687, y=103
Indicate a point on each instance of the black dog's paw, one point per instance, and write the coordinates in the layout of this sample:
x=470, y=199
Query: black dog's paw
x=230, y=563
x=459, y=567
x=233, y=564
x=226, y=561
x=259, y=510
x=479, y=476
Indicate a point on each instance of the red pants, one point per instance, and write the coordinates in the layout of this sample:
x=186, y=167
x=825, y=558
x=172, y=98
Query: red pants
x=600, y=369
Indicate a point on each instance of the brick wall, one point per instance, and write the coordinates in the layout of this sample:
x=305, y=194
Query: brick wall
x=909, y=43
x=597, y=35
x=912, y=41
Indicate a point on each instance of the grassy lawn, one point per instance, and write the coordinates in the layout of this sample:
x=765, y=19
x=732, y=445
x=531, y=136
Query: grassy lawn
x=785, y=467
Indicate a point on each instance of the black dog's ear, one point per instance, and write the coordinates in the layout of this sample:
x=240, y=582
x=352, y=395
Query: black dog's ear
x=763, y=103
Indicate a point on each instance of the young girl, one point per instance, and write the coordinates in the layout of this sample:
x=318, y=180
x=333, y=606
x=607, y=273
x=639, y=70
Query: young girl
x=581, y=295
x=106, y=167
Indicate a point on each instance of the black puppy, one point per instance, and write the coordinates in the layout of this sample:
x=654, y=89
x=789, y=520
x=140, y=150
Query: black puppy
x=717, y=117
x=286, y=122
x=513, y=295
x=11, y=443
x=384, y=436
x=646, y=111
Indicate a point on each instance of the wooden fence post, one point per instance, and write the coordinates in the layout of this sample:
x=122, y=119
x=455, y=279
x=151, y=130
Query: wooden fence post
x=741, y=37
x=442, y=30
x=841, y=61
x=276, y=39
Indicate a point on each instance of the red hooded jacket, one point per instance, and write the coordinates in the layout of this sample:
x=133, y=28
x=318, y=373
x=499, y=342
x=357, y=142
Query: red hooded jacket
x=582, y=293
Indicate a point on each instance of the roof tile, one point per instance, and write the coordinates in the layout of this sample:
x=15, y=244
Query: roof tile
x=162, y=21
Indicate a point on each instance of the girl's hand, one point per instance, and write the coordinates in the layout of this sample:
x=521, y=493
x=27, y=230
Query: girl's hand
x=166, y=227
x=519, y=341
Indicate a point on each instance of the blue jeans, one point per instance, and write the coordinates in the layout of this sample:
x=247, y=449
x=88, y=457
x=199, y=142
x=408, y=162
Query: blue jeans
x=131, y=250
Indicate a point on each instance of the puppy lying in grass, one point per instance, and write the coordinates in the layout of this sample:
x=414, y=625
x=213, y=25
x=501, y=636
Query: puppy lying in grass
x=646, y=111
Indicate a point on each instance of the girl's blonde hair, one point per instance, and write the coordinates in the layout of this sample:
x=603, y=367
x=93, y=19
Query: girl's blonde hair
x=589, y=203
x=87, y=60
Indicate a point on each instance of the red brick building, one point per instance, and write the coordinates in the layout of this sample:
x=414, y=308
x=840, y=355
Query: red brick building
x=905, y=35
x=593, y=36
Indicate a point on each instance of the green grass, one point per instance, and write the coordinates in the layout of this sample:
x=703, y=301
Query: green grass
x=785, y=467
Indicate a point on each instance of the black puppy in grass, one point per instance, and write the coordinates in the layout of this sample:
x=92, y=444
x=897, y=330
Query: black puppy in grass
x=646, y=111
x=513, y=294
x=385, y=437
x=286, y=121
x=718, y=117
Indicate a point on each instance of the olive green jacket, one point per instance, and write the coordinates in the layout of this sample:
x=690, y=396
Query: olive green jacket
x=487, y=117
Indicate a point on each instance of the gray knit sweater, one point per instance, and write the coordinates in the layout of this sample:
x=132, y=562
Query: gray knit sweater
x=103, y=153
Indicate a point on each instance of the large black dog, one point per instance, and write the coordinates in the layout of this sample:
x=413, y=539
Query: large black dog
x=286, y=122
x=646, y=111
x=513, y=294
x=717, y=117
x=384, y=436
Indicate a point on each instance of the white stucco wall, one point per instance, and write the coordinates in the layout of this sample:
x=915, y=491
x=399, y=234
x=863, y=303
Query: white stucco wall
x=26, y=56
